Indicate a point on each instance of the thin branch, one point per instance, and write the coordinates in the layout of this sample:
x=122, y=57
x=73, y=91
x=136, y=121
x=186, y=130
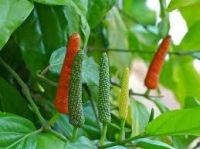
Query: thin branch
x=25, y=91
x=100, y=49
x=134, y=93
x=46, y=80
x=114, y=126
x=176, y=53
x=143, y=95
x=58, y=135
x=115, y=84
x=45, y=70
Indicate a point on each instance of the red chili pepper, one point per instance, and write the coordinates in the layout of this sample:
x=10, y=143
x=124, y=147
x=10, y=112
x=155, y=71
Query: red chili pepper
x=153, y=74
x=61, y=101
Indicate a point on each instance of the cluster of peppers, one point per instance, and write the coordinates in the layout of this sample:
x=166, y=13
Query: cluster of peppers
x=69, y=91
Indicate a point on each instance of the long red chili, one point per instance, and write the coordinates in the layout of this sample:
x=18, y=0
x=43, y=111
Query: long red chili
x=153, y=74
x=61, y=100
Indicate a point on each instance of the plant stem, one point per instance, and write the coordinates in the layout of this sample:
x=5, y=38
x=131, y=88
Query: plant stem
x=46, y=80
x=114, y=126
x=177, y=53
x=162, y=8
x=123, y=142
x=58, y=135
x=122, y=134
x=74, y=133
x=146, y=94
x=137, y=94
x=103, y=134
x=25, y=91
x=143, y=95
x=54, y=119
x=45, y=70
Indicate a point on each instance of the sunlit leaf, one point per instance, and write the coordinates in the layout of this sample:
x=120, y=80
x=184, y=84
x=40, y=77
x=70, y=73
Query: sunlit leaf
x=177, y=122
x=174, y=4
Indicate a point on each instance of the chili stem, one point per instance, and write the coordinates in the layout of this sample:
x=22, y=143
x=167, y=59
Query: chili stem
x=146, y=94
x=74, y=133
x=122, y=134
x=103, y=134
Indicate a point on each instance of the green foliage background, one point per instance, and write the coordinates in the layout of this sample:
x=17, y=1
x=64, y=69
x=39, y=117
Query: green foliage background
x=33, y=35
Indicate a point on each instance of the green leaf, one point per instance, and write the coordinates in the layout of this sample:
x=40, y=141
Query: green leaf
x=188, y=11
x=179, y=122
x=12, y=14
x=53, y=2
x=19, y=133
x=116, y=28
x=141, y=39
x=97, y=9
x=11, y=101
x=182, y=141
x=90, y=127
x=56, y=60
x=26, y=142
x=191, y=102
x=152, y=144
x=117, y=147
x=77, y=22
x=174, y=4
x=49, y=141
x=190, y=40
x=161, y=106
x=139, y=11
x=117, y=37
x=36, y=41
x=39, y=35
x=183, y=78
x=90, y=73
x=82, y=142
x=62, y=125
x=16, y=132
x=140, y=117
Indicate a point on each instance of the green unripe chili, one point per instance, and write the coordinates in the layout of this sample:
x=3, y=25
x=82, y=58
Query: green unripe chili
x=103, y=102
x=76, y=116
